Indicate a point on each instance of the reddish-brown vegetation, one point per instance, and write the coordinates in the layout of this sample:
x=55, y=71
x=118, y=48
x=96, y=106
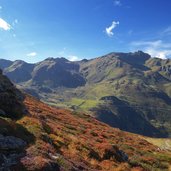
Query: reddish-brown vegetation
x=65, y=140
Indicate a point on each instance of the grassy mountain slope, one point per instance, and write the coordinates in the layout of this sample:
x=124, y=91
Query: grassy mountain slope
x=61, y=140
x=87, y=142
x=140, y=84
x=47, y=138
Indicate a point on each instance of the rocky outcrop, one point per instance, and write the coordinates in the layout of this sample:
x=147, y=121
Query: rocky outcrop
x=10, y=151
x=11, y=147
x=2, y=113
x=115, y=153
x=9, y=160
x=11, y=143
x=11, y=99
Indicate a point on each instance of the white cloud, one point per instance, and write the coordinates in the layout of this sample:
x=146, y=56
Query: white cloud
x=117, y=3
x=156, y=48
x=109, y=30
x=154, y=44
x=4, y=25
x=0, y=7
x=68, y=55
x=73, y=58
x=163, y=54
x=32, y=54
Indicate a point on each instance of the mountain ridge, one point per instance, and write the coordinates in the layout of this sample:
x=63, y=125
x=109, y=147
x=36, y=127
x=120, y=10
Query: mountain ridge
x=135, y=79
x=48, y=138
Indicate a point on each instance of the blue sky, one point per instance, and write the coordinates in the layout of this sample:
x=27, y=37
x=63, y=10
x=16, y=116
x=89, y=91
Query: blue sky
x=33, y=30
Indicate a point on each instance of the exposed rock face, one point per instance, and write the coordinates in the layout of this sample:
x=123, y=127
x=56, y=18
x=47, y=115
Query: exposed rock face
x=10, y=151
x=2, y=113
x=11, y=143
x=11, y=147
x=115, y=153
x=9, y=160
x=10, y=99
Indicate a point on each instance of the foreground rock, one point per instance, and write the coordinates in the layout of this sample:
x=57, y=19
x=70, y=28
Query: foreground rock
x=10, y=99
x=10, y=151
x=11, y=143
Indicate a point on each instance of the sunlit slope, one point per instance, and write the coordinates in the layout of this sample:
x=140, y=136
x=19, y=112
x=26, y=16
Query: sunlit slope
x=140, y=84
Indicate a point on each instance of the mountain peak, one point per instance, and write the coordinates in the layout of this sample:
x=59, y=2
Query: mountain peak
x=142, y=54
x=138, y=57
x=138, y=53
x=59, y=59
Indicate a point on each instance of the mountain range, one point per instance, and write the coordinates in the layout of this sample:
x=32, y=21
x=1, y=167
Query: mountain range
x=130, y=91
x=35, y=136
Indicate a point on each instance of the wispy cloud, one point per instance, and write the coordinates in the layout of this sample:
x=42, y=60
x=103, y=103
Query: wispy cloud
x=0, y=7
x=117, y=3
x=147, y=43
x=154, y=44
x=4, y=25
x=109, y=30
x=15, y=22
x=163, y=54
x=62, y=52
x=73, y=58
x=32, y=54
x=156, y=48
x=167, y=31
x=130, y=32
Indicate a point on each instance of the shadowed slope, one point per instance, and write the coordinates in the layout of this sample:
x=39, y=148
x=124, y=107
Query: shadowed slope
x=137, y=80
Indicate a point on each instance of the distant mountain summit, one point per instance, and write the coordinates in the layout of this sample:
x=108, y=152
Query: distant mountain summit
x=141, y=85
x=57, y=72
x=62, y=72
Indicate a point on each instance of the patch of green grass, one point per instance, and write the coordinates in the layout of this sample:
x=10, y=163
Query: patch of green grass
x=112, y=73
x=83, y=104
x=151, y=162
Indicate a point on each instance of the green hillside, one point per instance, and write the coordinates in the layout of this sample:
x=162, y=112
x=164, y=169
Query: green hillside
x=131, y=91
